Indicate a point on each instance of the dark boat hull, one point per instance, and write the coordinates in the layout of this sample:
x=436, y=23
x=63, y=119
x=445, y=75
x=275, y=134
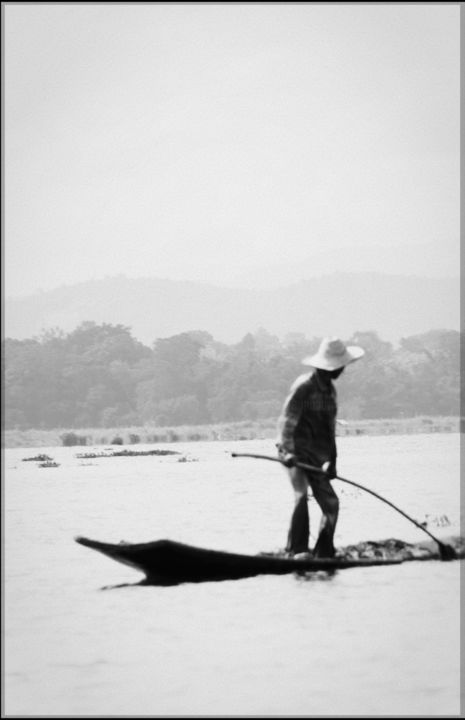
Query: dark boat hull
x=165, y=562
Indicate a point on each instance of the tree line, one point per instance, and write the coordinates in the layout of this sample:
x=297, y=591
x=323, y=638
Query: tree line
x=99, y=375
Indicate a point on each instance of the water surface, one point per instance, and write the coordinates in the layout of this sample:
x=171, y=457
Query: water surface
x=381, y=640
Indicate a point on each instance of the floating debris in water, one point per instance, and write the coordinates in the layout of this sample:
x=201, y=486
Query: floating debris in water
x=437, y=521
x=38, y=458
x=49, y=464
x=124, y=453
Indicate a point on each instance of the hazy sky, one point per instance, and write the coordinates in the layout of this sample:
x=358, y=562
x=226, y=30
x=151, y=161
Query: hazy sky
x=195, y=141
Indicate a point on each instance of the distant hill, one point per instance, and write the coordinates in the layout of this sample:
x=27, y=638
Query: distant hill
x=340, y=304
x=422, y=260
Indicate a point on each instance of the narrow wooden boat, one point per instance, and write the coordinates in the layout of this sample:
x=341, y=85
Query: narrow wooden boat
x=166, y=562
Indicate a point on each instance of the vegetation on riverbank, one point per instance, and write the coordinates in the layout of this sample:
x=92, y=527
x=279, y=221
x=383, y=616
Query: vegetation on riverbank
x=99, y=376
x=246, y=430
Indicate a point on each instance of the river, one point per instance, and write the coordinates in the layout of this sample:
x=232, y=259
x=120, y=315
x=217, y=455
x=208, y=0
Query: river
x=364, y=641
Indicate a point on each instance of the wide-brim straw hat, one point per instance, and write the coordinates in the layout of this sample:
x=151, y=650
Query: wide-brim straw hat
x=333, y=354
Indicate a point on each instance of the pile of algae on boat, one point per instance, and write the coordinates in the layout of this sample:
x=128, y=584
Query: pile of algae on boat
x=394, y=549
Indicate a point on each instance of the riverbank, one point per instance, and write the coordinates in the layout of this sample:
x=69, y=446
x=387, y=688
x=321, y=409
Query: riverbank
x=245, y=430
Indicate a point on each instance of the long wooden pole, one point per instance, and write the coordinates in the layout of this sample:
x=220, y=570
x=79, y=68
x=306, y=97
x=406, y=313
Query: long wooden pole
x=447, y=552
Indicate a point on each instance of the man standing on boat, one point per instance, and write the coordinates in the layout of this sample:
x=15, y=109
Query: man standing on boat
x=307, y=434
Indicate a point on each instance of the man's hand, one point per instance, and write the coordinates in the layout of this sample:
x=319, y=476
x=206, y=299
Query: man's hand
x=288, y=460
x=330, y=469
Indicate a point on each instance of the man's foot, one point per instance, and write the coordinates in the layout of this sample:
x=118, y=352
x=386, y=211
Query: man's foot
x=308, y=555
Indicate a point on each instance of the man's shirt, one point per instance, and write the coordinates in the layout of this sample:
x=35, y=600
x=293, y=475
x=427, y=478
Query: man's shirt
x=307, y=425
